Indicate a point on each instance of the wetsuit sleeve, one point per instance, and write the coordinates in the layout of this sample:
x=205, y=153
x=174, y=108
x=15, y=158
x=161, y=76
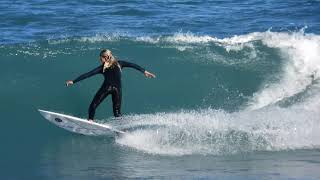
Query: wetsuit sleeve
x=132, y=65
x=88, y=74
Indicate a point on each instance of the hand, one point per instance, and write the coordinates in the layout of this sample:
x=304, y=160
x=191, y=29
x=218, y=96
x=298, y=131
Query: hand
x=68, y=83
x=149, y=75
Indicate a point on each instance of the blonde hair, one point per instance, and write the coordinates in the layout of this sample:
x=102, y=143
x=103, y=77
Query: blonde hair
x=112, y=60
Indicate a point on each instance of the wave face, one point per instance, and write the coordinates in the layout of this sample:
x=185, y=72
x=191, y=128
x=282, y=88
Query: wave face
x=252, y=92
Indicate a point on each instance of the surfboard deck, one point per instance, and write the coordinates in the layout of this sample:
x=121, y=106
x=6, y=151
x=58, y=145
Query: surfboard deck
x=78, y=125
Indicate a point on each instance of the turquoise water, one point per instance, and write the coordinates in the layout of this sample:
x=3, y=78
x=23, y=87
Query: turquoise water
x=236, y=93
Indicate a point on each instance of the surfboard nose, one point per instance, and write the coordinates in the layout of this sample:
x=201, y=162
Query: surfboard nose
x=43, y=113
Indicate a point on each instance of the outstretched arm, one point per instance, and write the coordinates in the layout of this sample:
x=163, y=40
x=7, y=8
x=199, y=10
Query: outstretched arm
x=85, y=75
x=137, y=67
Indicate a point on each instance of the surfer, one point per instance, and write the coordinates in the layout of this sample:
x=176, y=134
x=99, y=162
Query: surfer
x=111, y=69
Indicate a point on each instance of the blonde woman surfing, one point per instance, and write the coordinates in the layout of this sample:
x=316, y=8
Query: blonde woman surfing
x=110, y=68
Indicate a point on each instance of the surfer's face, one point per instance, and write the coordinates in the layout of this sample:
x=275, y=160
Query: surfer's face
x=104, y=58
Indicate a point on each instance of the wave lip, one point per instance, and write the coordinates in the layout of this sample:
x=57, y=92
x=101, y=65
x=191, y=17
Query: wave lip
x=301, y=66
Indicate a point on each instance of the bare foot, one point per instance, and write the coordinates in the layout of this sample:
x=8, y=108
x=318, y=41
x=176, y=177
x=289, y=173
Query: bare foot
x=90, y=120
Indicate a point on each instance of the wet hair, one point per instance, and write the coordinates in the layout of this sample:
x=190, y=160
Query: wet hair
x=103, y=51
x=112, y=59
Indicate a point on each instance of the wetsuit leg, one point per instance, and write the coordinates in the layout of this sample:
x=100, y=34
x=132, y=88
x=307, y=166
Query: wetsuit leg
x=98, y=98
x=116, y=101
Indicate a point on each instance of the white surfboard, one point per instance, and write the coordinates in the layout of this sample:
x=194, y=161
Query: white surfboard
x=78, y=125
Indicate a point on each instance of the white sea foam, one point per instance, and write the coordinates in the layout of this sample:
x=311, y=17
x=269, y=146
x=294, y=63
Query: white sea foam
x=220, y=133
x=301, y=65
x=108, y=37
x=101, y=38
x=148, y=39
x=189, y=38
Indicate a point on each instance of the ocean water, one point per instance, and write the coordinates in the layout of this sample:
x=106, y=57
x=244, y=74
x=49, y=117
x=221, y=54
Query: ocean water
x=236, y=95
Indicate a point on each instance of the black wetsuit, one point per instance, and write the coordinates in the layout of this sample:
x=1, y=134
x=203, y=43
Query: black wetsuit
x=111, y=85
